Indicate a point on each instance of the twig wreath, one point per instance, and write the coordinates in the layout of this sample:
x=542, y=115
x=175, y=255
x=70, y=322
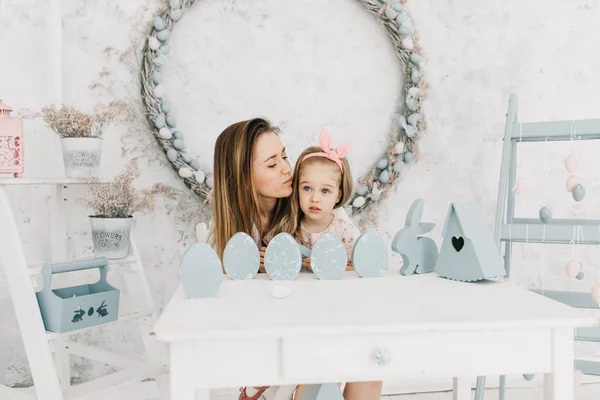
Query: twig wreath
x=409, y=124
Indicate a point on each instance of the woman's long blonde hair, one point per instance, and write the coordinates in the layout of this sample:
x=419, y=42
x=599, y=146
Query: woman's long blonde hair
x=345, y=182
x=235, y=201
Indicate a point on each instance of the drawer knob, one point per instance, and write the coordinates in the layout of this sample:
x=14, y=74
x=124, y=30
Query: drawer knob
x=382, y=357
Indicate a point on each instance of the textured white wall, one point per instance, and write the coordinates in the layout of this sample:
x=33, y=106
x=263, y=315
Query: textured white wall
x=306, y=64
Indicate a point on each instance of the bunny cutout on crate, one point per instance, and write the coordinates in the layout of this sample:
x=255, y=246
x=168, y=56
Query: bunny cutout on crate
x=419, y=254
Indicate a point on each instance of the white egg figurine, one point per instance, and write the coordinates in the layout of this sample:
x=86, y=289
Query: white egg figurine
x=408, y=44
x=241, y=258
x=572, y=164
x=359, y=201
x=165, y=133
x=280, y=291
x=283, y=259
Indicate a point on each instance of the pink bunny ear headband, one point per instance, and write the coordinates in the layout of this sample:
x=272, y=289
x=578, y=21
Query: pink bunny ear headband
x=334, y=155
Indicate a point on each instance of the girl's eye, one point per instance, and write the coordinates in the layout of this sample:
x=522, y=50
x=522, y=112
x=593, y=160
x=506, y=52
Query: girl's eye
x=325, y=191
x=272, y=166
x=285, y=157
x=306, y=188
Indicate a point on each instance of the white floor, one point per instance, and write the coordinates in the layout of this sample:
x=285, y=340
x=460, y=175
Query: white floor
x=147, y=391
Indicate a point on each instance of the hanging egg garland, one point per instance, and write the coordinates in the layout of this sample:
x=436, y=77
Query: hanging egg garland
x=573, y=268
x=400, y=150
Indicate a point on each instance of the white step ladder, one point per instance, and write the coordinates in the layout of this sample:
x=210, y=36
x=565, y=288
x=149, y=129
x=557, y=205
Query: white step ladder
x=49, y=353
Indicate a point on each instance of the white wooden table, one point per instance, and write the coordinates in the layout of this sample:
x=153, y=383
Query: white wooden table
x=328, y=331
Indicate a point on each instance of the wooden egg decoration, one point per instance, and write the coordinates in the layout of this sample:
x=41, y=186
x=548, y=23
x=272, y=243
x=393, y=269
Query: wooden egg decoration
x=572, y=164
x=283, y=259
x=370, y=255
x=573, y=268
x=328, y=257
x=241, y=258
x=200, y=271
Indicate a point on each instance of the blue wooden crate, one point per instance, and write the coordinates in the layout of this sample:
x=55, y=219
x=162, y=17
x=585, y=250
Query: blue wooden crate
x=71, y=308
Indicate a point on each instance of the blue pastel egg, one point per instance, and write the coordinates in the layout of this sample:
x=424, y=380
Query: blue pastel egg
x=415, y=58
x=545, y=214
x=160, y=60
x=160, y=121
x=370, y=255
x=178, y=135
x=174, y=3
x=384, y=176
x=411, y=104
x=165, y=49
x=398, y=7
x=408, y=157
x=328, y=257
x=179, y=144
x=163, y=35
x=159, y=23
x=283, y=259
x=410, y=131
x=241, y=258
x=361, y=190
x=401, y=121
x=528, y=377
x=404, y=30
x=165, y=106
x=401, y=17
x=415, y=77
x=195, y=164
x=171, y=121
x=156, y=77
x=383, y=163
x=413, y=119
x=578, y=192
x=172, y=155
x=200, y=272
x=186, y=158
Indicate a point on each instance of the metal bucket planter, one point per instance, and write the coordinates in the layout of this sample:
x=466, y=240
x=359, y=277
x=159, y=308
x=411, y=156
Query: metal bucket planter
x=81, y=156
x=111, y=236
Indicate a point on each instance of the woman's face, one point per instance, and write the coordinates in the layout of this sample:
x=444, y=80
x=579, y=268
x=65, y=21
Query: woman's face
x=271, y=170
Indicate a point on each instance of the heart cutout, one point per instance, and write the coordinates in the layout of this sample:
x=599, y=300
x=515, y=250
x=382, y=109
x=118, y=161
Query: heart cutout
x=458, y=243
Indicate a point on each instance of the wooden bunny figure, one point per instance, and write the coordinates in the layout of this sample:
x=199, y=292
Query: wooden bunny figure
x=419, y=254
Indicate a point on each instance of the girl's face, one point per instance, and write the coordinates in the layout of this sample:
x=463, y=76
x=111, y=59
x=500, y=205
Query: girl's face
x=319, y=190
x=271, y=170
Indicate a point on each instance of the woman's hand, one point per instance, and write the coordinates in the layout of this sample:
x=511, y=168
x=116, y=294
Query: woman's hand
x=261, y=268
x=306, y=265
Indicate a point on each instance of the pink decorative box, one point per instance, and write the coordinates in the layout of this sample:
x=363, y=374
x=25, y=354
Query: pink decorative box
x=11, y=142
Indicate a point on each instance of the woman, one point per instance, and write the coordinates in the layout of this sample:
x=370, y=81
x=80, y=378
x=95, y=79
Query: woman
x=252, y=189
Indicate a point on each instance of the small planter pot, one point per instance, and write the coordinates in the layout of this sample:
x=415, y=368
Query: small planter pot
x=81, y=156
x=111, y=236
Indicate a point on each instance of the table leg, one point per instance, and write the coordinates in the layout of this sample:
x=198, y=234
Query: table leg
x=558, y=384
x=461, y=389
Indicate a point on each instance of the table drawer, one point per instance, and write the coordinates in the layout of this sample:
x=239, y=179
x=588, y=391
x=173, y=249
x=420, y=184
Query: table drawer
x=333, y=358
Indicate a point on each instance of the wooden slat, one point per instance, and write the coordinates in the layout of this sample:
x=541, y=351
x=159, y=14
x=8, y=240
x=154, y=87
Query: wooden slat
x=588, y=334
x=573, y=299
x=555, y=232
x=585, y=129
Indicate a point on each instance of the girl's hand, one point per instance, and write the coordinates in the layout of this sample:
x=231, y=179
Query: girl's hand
x=306, y=265
x=261, y=268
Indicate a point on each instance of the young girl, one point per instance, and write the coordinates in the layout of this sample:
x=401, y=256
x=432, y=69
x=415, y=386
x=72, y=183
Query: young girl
x=322, y=185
